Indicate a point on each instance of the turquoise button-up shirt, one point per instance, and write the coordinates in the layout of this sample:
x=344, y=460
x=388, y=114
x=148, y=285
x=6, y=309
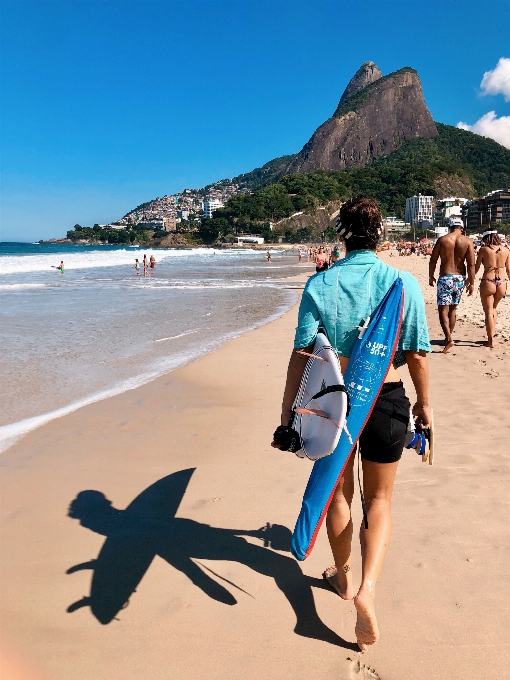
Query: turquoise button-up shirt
x=341, y=298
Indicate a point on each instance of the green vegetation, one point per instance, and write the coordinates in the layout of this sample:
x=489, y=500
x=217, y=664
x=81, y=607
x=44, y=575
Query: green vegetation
x=132, y=234
x=414, y=168
x=267, y=174
x=482, y=160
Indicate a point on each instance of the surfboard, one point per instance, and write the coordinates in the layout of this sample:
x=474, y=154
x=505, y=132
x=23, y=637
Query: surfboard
x=132, y=544
x=321, y=403
x=368, y=366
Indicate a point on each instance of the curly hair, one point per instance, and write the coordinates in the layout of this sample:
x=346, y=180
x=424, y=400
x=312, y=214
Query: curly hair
x=491, y=240
x=360, y=223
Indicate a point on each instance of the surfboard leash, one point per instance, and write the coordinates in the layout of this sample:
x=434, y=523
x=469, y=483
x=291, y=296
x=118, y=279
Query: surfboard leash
x=363, y=505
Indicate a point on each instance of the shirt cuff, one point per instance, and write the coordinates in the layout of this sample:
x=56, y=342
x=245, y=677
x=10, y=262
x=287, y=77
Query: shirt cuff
x=305, y=335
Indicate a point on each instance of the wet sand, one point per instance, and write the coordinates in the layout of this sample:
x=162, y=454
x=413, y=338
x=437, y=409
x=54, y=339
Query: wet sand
x=217, y=598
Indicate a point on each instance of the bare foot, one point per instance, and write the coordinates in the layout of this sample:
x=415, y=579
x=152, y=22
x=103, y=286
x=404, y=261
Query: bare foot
x=448, y=346
x=490, y=344
x=367, y=632
x=341, y=586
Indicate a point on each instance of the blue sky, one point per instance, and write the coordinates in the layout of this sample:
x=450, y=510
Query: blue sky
x=109, y=103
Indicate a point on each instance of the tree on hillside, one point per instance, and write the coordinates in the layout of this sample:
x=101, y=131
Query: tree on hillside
x=213, y=228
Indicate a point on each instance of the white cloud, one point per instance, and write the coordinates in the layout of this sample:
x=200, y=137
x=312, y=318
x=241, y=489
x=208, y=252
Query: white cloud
x=497, y=81
x=491, y=126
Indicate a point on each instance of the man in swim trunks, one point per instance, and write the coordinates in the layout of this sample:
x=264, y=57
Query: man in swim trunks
x=456, y=254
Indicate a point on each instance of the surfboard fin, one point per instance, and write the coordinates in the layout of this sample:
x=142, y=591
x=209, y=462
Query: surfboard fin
x=310, y=356
x=312, y=412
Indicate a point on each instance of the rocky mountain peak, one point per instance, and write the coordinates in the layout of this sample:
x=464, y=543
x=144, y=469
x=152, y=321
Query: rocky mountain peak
x=366, y=74
x=376, y=114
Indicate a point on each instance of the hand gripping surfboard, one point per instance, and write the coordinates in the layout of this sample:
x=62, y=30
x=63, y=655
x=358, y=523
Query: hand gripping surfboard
x=368, y=366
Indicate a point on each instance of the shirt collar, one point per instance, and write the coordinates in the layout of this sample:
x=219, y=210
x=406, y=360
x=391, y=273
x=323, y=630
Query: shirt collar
x=359, y=257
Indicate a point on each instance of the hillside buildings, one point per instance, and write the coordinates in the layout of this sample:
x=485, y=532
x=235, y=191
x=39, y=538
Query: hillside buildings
x=188, y=205
x=163, y=223
x=420, y=209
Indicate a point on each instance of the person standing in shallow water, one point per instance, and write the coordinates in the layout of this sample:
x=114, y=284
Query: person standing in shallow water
x=456, y=254
x=354, y=286
x=496, y=262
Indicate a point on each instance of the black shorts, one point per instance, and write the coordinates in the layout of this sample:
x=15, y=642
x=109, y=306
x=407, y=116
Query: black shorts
x=384, y=435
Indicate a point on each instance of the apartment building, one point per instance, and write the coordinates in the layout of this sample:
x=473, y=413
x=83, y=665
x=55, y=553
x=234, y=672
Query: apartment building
x=165, y=223
x=210, y=206
x=494, y=207
x=419, y=209
x=447, y=209
x=395, y=227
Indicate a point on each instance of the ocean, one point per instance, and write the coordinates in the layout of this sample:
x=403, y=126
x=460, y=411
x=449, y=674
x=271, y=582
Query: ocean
x=97, y=330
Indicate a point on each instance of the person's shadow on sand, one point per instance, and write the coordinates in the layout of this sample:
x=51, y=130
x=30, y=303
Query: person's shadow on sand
x=148, y=527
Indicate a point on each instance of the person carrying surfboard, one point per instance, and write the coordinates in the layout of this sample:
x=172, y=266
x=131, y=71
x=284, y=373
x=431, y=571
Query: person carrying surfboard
x=340, y=302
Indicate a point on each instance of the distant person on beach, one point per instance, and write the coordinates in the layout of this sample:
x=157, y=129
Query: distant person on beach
x=61, y=267
x=354, y=287
x=299, y=255
x=152, y=262
x=268, y=256
x=145, y=266
x=321, y=260
x=496, y=261
x=137, y=267
x=456, y=254
x=335, y=256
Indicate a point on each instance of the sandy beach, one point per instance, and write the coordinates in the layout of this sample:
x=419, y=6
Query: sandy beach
x=204, y=551
x=470, y=308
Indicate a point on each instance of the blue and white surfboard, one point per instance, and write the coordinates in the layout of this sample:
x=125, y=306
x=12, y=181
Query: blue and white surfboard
x=368, y=366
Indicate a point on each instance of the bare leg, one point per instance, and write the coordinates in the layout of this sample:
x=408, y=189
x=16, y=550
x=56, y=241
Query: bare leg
x=378, y=480
x=498, y=296
x=487, y=299
x=444, y=320
x=339, y=526
x=452, y=316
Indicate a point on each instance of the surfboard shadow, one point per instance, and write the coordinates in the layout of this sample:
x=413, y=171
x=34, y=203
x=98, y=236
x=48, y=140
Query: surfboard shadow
x=148, y=527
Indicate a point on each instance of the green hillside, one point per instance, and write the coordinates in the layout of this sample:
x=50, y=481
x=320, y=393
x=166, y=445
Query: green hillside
x=267, y=174
x=416, y=167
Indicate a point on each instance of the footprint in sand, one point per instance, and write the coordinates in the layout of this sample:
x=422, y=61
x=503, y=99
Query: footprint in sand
x=494, y=374
x=362, y=672
x=481, y=361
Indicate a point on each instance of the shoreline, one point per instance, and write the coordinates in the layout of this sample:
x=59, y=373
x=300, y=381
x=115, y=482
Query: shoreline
x=236, y=604
x=10, y=433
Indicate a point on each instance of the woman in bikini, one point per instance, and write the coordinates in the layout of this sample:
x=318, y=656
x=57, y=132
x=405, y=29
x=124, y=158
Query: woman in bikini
x=496, y=260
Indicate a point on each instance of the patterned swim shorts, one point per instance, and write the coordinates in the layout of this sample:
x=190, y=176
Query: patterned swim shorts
x=449, y=289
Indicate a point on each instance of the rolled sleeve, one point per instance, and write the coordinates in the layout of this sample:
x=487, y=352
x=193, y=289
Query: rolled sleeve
x=309, y=321
x=414, y=333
